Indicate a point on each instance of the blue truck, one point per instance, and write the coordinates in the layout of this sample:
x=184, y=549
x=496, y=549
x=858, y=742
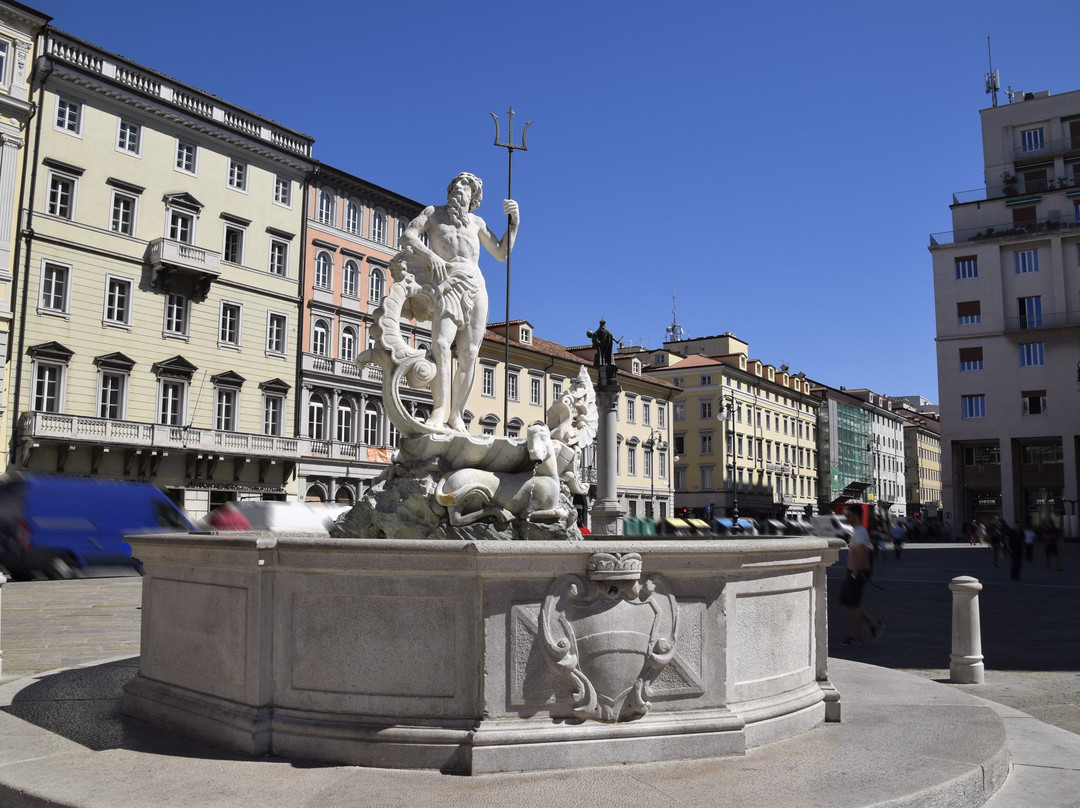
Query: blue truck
x=55, y=526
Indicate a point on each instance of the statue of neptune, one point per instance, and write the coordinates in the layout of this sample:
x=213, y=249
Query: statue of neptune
x=449, y=266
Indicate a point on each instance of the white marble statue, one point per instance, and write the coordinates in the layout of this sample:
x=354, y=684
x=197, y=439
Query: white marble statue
x=453, y=295
x=471, y=494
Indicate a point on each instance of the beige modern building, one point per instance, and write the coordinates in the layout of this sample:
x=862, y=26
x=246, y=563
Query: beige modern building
x=922, y=460
x=540, y=370
x=19, y=26
x=1007, y=292
x=352, y=232
x=743, y=431
x=158, y=284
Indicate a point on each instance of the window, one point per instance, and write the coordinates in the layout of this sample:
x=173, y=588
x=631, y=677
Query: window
x=118, y=301
x=273, y=414
x=1033, y=402
x=325, y=212
x=631, y=460
x=277, y=327
x=324, y=266
x=181, y=226
x=661, y=415
x=350, y=278
x=680, y=478
x=1026, y=261
x=973, y=406
x=706, y=443
x=971, y=359
x=47, y=387
x=348, y=343
x=317, y=418
x=279, y=257
x=969, y=313
x=378, y=226
x=225, y=410
x=706, y=478
x=679, y=444
x=171, y=409
x=185, y=156
x=371, y=424
x=631, y=414
x=1032, y=354
x=1031, y=140
x=233, y=249
x=1030, y=312
x=61, y=196
x=352, y=216
x=123, y=214
x=535, y=390
x=678, y=410
x=706, y=379
x=648, y=470
x=677, y=381
x=706, y=408
x=68, y=115
x=375, y=285
x=128, y=137
x=3, y=63
x=320, y=338
x=55, y=283
x=512, y=386
x=662, y=457
x=111, y=396
x=487, y=381
x=967, y=268
x=229, y=326
x=176, y=315
x=237, y=175
x=344, y=421
x=282, y=190
x=646, y=413
x=556, y=391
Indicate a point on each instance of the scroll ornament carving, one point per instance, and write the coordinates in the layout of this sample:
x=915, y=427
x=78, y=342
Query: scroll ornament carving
x=611, y=633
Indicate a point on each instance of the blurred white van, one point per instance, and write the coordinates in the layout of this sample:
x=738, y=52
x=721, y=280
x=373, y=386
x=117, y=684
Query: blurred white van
x=275, y=516
x=831, y=525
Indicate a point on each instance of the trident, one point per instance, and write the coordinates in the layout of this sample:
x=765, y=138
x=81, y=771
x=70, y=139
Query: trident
x=510, y=148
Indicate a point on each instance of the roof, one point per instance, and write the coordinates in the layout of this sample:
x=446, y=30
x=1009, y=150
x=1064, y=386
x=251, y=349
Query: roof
x=695, y=361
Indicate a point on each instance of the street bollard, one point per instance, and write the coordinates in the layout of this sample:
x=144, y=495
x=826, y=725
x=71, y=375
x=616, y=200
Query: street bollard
x=966, y=659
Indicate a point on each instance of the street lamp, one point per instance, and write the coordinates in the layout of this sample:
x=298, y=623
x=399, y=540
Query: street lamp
x=653, y=444
x=727, y=413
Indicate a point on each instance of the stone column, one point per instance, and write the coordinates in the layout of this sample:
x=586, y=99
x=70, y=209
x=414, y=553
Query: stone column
x=606, y=517
x=966, y=659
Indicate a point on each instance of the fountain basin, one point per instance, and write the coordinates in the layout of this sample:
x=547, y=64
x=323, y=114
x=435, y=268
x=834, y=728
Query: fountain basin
x=483, y=656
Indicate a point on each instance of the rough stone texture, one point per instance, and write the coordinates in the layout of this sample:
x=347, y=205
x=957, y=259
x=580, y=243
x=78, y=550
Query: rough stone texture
x=435, y=654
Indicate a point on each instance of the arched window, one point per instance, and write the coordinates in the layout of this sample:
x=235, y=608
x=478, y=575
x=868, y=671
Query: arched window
x=326, y=207
x=344, y=496
x=320, y=338
x=394, y=435
x=378, y=226
x=401, y=225
x=345, y=421
x=350, y=275
x=316, y=493
x=324, y=267
x=376, y=285
x=371, y=424
x=348, y=344
x=317, y=418
x=352, y=216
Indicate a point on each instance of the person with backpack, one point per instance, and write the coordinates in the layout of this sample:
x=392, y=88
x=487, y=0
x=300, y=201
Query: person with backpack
x=859, y=568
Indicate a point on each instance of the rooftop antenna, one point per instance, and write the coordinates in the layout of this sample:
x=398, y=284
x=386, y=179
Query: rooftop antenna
x=675, y=331
x=993, y=79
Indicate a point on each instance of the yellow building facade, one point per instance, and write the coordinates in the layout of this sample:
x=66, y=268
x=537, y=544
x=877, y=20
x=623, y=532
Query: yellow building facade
x=157, y=306
x=744, y=432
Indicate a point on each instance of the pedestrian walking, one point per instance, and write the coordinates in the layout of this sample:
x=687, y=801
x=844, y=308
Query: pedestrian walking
x=1029, y=544
x=1015, y=546
x=1052, y=541
x=899, y=534
x=993, y=536
x=858, y=567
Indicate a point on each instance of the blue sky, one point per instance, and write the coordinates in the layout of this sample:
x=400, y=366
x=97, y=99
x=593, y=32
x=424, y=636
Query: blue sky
x=780, y=164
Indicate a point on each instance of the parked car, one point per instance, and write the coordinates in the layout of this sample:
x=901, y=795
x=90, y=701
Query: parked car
x=54, y=525
x=831, y=525
x=745, y=527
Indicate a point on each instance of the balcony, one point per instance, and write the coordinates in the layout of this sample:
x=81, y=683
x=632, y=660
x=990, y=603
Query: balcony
x=1001, y=232
x=1018, y=188
x=171, y=259
x=1043, y=321
x=139, y=435
x=1055, y=147
x=342, y=368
